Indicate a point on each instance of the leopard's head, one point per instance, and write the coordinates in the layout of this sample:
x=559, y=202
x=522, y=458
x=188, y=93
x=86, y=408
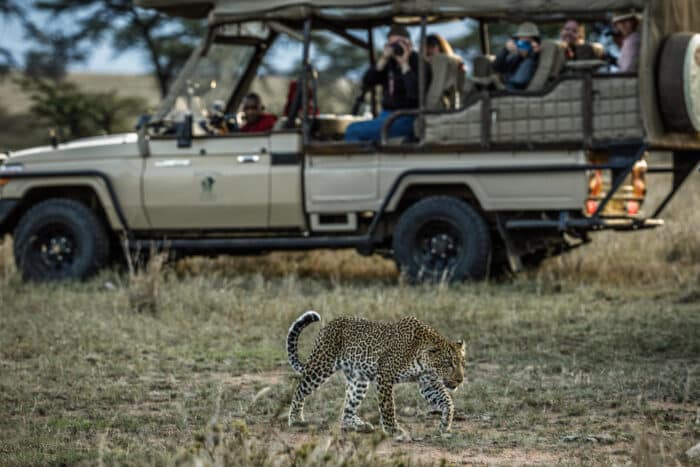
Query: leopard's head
x=447, y=359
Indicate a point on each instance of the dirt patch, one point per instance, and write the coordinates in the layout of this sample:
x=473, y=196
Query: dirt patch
x=424, y=452
x=249, y=381
x=665, y=405
x=513, y=456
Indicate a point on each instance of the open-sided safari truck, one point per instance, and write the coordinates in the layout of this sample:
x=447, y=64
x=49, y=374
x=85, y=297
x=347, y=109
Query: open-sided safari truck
x=499, y=177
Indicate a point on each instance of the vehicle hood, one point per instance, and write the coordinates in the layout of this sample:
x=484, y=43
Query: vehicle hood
x=99, y=147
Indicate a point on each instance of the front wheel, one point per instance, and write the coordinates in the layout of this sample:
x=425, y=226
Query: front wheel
x=442, y=238
x=60, y=239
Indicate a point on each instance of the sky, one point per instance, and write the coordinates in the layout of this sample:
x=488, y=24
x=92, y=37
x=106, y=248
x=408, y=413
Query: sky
x=102, y=59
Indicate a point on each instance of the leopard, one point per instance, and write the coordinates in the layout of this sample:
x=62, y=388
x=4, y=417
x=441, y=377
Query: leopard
x=379, y=352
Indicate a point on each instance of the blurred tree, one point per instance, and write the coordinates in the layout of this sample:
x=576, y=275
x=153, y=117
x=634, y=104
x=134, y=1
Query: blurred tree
x=74, y=113
x=8, y=10
x=337, y=58
x=53, y=51
x=167, y=42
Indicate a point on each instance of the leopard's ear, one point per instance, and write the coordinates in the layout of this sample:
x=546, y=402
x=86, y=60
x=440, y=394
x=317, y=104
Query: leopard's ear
x=462, y=346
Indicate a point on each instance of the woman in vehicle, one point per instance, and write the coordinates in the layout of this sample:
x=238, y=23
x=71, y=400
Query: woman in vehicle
x=628, y=26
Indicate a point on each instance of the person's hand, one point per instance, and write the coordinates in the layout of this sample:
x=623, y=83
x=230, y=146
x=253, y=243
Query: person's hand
x=403, y=59
x=388, y=51
x=511, y=47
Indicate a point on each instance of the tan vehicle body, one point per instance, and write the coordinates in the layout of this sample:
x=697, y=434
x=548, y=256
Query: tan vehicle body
x=510, y=175
x=261, y=195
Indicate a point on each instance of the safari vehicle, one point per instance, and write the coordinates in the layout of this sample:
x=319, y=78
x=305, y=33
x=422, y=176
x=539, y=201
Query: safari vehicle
x=504, y=177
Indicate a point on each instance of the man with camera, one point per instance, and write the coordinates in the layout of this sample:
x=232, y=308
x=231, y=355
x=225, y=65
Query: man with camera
x=397, y=72
x=517, y=62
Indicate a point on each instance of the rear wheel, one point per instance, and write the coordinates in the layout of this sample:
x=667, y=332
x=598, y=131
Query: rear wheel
x=442, y=238
x=60, y=239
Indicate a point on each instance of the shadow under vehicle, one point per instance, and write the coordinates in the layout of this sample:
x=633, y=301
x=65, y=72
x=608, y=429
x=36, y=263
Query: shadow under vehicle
x=498, y=178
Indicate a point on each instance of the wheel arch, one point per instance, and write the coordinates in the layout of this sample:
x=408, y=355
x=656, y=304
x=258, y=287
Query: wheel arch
x=91, y=192
x=85, y=193
x=415, y=188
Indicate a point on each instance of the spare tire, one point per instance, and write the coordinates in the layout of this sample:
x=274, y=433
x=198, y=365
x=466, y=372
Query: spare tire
x=678, y=78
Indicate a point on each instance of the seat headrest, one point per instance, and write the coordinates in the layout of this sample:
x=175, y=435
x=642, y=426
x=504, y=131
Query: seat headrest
x=549, y=66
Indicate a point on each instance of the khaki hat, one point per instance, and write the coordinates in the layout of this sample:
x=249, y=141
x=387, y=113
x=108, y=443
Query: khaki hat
x=620, y=16
x=527, y=29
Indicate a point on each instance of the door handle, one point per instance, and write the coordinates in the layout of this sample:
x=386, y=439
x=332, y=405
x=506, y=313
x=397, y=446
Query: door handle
x=168, y=163
x=249, y=159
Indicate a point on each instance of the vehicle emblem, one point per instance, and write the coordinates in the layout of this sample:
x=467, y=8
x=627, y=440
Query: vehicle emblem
x=208, y=184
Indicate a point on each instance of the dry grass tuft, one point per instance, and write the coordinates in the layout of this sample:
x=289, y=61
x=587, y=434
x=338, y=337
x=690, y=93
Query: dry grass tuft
x=7, y=263
x=233, y=443
x=145, y=283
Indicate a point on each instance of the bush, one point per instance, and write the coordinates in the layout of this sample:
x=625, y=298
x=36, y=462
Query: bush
x=75, y=113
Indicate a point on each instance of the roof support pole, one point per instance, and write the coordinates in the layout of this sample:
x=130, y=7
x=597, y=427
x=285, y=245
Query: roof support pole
x=306, y=65
x=421, y=74
x=484, y=37
x=373, y=65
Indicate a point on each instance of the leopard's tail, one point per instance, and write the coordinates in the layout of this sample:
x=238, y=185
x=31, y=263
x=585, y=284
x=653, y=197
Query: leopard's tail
x=293, y=337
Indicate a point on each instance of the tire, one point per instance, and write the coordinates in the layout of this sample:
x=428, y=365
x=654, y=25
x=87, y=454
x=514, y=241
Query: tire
x=60, y=239
x=442, y=238
x=678, y=78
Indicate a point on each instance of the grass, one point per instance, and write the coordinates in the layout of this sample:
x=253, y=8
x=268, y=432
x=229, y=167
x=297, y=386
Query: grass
x=592, y=359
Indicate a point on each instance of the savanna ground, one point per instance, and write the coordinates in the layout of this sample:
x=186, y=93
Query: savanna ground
x=592, y=359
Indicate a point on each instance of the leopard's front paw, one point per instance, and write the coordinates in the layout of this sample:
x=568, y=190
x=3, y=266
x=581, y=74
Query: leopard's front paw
x=296, y=420
x=398, y=433
x=357, y=425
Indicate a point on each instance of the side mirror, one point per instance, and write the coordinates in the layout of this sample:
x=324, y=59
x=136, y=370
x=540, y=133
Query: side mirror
x=183, y=132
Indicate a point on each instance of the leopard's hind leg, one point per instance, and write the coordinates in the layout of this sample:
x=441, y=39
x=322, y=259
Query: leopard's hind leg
x=314, y=375
x=355, y=392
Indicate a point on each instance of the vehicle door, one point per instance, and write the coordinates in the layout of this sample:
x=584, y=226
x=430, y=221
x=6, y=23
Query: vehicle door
x=220, y=182
x=218, y=178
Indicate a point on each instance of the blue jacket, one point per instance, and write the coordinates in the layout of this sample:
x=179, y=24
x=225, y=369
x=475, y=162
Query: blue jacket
x=517, y=71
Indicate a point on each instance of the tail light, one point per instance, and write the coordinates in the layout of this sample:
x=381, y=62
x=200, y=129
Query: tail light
x=639, y=187
x=627, y=200
x=595, y=189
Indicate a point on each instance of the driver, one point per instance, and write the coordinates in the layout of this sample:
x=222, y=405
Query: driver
x=256, y=119
x=397, y=72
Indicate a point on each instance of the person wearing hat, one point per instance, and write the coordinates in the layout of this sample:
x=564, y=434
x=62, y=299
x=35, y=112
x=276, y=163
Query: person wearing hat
x=397, y=72
x=517, y=62
x=573, y=36
x=627, y=24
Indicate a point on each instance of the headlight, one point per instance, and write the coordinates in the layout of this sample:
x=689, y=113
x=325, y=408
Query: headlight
x=11, y=167
x=3, y=157
x=8, y=169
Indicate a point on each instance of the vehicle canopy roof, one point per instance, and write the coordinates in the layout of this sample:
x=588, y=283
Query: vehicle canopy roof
x=356, y=11
x=661, y=18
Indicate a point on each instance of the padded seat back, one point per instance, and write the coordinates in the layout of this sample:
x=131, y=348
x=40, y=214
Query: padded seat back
x=446, y=84
x=549, y=66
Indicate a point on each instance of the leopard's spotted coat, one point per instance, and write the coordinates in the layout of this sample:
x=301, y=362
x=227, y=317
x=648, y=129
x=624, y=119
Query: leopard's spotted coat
x=384, y=353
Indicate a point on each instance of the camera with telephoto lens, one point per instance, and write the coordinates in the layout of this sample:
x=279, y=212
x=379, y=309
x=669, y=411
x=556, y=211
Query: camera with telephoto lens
x=398, y=49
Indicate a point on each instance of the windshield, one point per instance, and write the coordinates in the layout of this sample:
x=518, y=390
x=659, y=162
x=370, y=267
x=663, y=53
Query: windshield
x=212, y=80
